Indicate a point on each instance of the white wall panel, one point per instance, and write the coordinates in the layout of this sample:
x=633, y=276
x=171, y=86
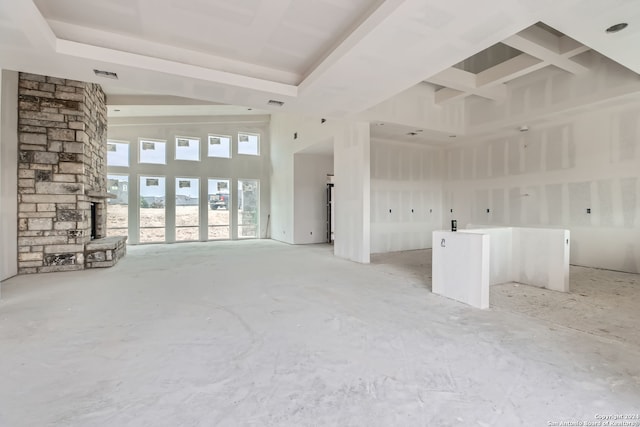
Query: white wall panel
x=413, y=196
x=629, y=196
x=556, y=172
x=451, y=251
x=8, y=174
x=310, y=176
x=352, y=174
x=497, y=152
x=532, y=256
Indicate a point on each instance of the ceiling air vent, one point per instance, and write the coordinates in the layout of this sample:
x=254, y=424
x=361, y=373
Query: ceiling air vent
x=617, y=27
x=275, y=103
x=107, y=74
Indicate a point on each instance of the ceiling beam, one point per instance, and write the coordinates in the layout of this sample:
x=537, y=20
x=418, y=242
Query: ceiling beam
x=155, y=100
x=510, y=69
x=570, y=47
x=455, y=78
x=462, y=83
x=545, y=46
x=447, y=94
x=100, y=54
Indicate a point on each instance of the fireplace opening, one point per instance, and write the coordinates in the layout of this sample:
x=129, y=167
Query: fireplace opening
x=94, y=222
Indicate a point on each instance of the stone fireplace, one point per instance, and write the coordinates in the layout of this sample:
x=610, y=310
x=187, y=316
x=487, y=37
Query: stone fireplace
x=62, y=130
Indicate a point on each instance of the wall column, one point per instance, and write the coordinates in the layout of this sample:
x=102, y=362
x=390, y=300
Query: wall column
x=352, y=170
x=8, y=173
x=62, y=170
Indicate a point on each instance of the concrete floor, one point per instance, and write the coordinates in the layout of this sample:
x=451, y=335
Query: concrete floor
x=259, y=333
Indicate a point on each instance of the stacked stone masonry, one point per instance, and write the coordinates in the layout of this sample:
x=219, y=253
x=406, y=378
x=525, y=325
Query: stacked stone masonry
x=105, y=252
x=62, y=128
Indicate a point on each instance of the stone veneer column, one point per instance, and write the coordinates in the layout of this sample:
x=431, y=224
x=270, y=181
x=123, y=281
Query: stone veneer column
x=62, y=167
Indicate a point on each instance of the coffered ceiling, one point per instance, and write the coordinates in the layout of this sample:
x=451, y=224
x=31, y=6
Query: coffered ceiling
x=324, y=57
x=485, y=73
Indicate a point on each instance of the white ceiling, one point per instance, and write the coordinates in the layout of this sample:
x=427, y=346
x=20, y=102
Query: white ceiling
x=284, y=36
x=325, y=57
x=164, y=106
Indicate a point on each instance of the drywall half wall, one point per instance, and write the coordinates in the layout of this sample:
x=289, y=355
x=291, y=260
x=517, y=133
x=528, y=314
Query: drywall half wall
x=580, y=173
x=461, y=267
x=292, y=134
x=8, y=174
x=310, y=210
x=406, y=195
x=532, y=256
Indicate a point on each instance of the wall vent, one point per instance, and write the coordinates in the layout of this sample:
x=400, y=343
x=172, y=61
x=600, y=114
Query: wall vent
x=107, y=74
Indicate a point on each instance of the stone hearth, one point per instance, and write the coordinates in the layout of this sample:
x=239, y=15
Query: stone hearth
x=62, y=170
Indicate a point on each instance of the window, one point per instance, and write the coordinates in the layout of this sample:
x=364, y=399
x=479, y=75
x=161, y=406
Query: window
x=219, y=205
x=249, y=143
x=118, y=208
x=184, y=182
x=187, y=209
x=219, y=146
x=188, y=149
x=117, y=153
x=153, y=151
x=152, y=209
x=248, y=208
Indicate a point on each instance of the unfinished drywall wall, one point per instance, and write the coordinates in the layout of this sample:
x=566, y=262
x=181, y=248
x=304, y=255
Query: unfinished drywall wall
x=291, y=134
x=353, y=192
x=581, y=174
x=8, y=174
x=532, y=256
x=461, y=267
x=551, y=91
x=310, y=210
x=416, y=107
x=501, y=252
x=406, y=195
x=282, y=183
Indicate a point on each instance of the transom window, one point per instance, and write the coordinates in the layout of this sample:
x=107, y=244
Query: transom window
x=187, y=148
x=219, y=146
x=117, y=153
x=249, y=143
x=153, y=151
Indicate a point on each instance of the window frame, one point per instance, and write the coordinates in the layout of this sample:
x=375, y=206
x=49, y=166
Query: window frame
x=230, y=150
x=140, y=227
x=257, y=135
x=189, y=138
x=115, y=141
x=141, y=140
